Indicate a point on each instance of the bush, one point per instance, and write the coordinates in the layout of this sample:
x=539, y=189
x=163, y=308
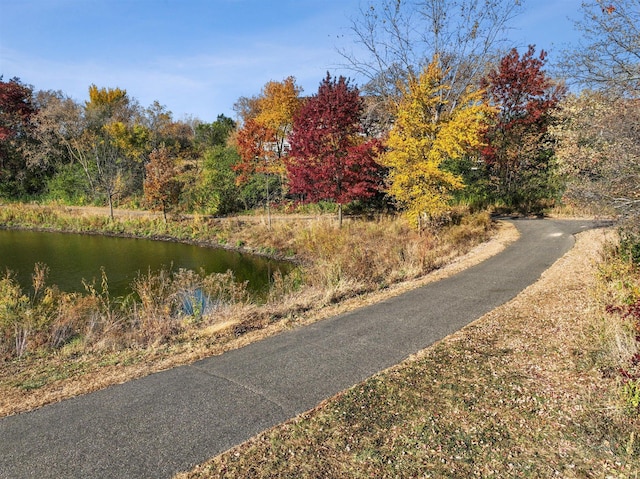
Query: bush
x=69, y=186
x=620, y=280
x=629, y=248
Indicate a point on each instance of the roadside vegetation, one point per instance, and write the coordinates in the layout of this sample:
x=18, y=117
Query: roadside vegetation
x=52, y=339
x=521, y=392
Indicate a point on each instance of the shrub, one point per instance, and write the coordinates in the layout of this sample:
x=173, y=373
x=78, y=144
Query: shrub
x=629, y=248
x=620, y=280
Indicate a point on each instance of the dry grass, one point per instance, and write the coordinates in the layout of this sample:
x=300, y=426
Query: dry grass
x=347, y=268
x=514, y=394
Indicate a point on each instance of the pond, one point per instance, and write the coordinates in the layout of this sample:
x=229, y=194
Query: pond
x=74, y=257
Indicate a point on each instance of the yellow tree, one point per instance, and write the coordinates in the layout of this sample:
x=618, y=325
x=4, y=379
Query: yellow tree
x=427, y=131
x=277, y=105
x=262, y=141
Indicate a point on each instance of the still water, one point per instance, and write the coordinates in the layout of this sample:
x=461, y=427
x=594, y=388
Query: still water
x=74, y=257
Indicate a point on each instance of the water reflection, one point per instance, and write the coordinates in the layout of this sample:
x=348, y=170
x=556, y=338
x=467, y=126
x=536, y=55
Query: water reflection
x=74, y=257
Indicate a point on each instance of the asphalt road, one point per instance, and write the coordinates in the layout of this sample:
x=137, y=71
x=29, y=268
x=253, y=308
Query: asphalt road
x=167, y=422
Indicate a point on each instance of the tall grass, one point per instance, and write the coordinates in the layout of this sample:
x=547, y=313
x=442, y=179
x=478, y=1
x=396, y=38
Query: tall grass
x=167, y=306
x=163, y=305
x=615, y=336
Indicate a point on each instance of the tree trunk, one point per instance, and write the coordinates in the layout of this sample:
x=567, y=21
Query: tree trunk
x=110, y=206
x=268, y=205
x=340, y=215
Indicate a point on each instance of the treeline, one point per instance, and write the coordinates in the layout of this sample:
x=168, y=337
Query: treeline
x=453, y=123
x=287, y=149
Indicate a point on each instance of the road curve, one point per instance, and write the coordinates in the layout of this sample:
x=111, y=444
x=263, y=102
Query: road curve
x=169, y=421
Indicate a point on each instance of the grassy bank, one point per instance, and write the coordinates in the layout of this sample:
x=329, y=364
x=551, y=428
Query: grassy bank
x=522, y=392
x=55, y=345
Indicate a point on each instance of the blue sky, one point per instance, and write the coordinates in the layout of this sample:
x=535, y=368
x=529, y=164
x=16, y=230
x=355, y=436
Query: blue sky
x=197, y=57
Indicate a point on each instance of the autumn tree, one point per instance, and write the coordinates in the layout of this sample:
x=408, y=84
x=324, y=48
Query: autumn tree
x=16, y=110
x=263, y=139
x=252, y=143
x=330, y=159
x=428, y=131
x=597, y=139
x=108, y=113
x=64, y=144
x=53, y=126
x=597, y=130
x=278, y=105
x=518, y=155
x=161, y=187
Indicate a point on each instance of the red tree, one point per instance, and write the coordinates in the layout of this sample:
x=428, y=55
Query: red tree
x=329, y=158
x=517, y=155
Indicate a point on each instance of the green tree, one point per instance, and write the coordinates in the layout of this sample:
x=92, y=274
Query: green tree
x=217, y=189
x=214, y=134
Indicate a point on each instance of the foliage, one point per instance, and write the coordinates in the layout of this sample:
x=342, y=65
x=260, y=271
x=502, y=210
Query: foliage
x=426, y=133
x=68, y=185
x=17, y=108
x=209, y=135
x=260, y=190
x=161, y=186
x=329, y=158
x=278, y=105
x=598, y=145
x=252, y=144
x=262, y=141
x=619, y=281
x=216, y=190
x=109, y=136
x=518, y=154
x=106, y=105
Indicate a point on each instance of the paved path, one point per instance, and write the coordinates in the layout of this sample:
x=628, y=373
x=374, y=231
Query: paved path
x=167, y=422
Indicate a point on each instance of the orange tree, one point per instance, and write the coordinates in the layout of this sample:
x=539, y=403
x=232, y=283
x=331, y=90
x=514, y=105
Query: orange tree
x=161, y=187
x=262, y=141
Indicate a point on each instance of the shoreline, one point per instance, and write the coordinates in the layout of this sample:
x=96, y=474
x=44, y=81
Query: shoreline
x=215, y=338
